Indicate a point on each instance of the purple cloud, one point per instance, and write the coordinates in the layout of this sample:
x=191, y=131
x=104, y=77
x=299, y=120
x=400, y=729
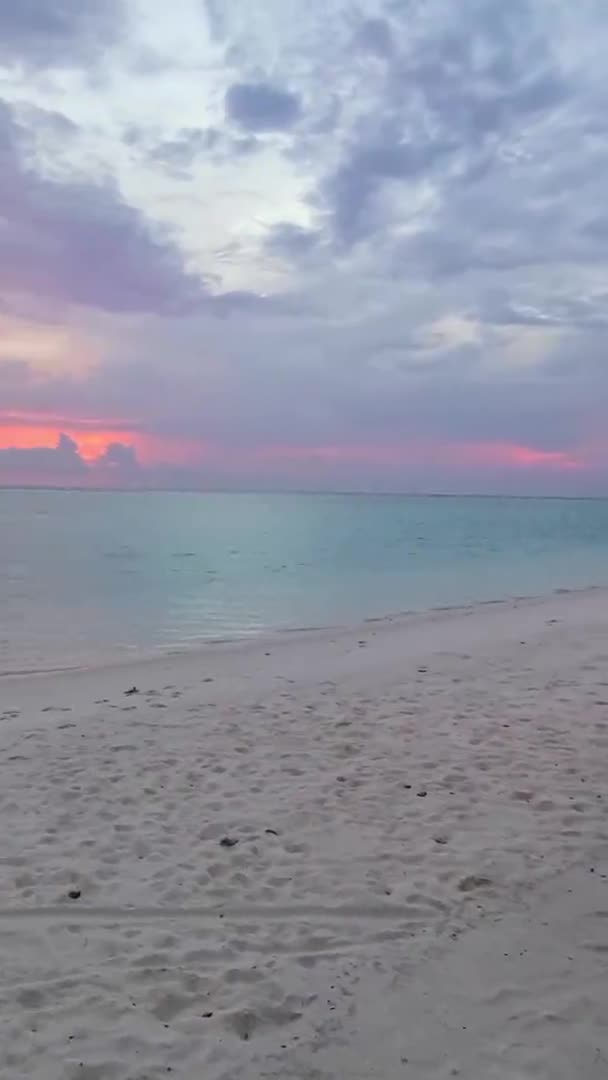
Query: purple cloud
x=79, y=242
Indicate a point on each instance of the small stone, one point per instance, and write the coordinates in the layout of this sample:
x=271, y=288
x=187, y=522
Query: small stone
x=440, y=839
x=422, y=794
x=75, y=894
x=228, y=842
x=207, y=1016
x=271, y=832
x=133, y=690
x=473, y=882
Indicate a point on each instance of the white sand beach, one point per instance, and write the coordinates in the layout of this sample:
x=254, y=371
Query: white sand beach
x=379, y=852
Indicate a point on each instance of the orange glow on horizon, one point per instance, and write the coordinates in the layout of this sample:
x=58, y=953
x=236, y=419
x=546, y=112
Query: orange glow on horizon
x=476, y=455
x=92, y=438
x=30, y=430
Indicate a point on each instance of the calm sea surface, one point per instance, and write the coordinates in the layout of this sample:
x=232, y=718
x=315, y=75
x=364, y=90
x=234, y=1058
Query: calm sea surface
x=86, y=576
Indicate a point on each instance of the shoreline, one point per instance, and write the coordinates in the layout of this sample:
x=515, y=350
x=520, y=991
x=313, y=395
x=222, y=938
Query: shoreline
x=272, y=638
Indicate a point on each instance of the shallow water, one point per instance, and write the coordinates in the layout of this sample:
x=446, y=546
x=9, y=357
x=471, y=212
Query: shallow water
x=85, y=576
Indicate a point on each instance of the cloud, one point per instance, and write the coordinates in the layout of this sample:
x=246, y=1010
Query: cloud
x=119, y=457
x=58, y=33
x=375, y=36
x=60, y=460
x=63, y=460
x=216, y=18
x=79, y=242
x=410, y=272
x=366, y=165
x=179, y=154
x=262, y=107
x=287, y=239
x=459, y=87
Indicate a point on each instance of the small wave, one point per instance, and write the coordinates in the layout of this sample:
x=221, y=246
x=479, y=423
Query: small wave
x=121, y=553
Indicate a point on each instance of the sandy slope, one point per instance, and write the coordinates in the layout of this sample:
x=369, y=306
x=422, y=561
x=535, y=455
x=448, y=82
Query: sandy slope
x=418, y=887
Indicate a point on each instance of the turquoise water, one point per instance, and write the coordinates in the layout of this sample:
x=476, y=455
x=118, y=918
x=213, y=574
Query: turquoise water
x=88, y=575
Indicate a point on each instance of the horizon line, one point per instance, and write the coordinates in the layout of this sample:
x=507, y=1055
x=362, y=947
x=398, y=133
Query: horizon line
x=296, y=491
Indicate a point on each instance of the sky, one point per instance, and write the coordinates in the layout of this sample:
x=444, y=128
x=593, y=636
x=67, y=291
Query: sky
x=341, y=244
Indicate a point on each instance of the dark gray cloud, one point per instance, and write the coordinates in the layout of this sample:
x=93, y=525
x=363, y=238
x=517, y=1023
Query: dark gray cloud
x=375, y=36
x=61, y=460
x=58, y=33
x=366, y=166
x=291, y=241
x=64, y=464
x=119, y=457
x=260, y=106
x=457, y=89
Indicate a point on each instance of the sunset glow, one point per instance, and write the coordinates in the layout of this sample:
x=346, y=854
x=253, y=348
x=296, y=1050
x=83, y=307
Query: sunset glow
x=214, y=271
x=93, y=437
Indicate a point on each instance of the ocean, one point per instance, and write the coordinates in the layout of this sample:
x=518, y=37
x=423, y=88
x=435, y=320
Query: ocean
x=87, y=577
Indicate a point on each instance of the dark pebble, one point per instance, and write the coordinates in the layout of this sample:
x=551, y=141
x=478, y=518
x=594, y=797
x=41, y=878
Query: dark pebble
x=228, y=841
x=207, y=1016
x=408, y=787
x=422, y=794
x=133, y=690
x=271, y=832
x=75, y=894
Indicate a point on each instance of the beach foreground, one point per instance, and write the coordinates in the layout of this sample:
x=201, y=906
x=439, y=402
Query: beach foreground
x=375, y=852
